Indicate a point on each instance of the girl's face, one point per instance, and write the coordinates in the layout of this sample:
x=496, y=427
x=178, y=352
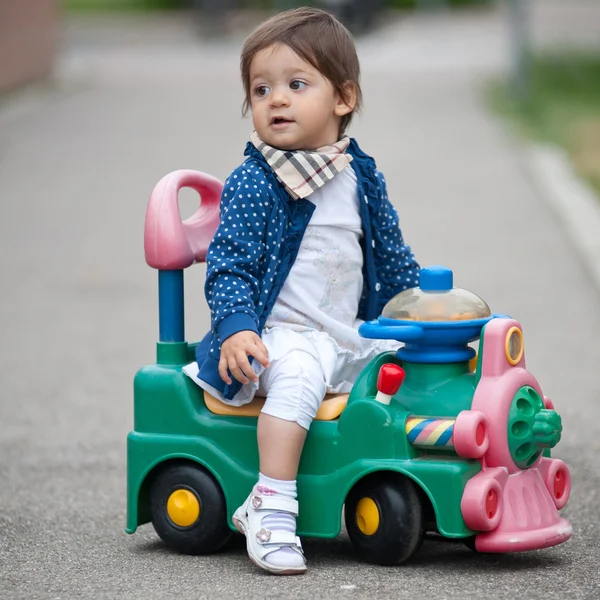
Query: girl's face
x=293, y=106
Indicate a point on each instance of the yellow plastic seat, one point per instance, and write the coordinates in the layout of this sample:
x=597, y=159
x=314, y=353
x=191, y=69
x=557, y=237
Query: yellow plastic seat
x=331, y=407
x=473, y=363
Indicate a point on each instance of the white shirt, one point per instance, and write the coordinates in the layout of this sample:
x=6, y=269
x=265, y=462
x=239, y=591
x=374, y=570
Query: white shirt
x=316, y=310
x=324, y=286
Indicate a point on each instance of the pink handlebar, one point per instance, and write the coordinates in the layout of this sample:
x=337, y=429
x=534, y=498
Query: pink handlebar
x=169, y=242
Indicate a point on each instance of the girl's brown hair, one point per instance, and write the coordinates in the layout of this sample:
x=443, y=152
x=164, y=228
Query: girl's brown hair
x=318, y=38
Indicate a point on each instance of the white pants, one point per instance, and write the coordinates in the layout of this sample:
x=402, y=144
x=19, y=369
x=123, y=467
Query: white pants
x=294, y=386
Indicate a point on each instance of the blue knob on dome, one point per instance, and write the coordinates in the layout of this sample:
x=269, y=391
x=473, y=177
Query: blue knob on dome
x=436, y=279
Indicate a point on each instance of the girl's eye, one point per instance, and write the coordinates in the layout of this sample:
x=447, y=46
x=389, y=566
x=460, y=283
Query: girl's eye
x=261, y=90
x=297, y=85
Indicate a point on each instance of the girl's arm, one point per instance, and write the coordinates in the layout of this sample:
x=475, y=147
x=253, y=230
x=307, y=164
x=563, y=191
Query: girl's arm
x=397, y=268
x=235, y=256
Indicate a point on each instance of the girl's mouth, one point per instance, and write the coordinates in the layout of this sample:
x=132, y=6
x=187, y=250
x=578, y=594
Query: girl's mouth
x=280, y=121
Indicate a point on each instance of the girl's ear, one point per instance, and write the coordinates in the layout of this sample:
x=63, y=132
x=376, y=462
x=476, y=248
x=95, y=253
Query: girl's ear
x=345, y=103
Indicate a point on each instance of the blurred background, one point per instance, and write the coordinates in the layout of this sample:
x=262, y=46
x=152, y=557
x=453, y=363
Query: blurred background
x=550, y=90
x=99, y=99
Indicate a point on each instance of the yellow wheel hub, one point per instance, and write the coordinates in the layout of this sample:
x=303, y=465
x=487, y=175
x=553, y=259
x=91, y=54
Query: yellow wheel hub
x=367, y=516
x=183, y=508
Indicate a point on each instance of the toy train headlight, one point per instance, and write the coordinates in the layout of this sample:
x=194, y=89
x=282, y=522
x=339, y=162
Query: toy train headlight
x=470, y=435
x=558, y=482
x=482, y=503
x=514, y=346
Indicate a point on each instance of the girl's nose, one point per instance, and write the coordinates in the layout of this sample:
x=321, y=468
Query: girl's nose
x=279, y=97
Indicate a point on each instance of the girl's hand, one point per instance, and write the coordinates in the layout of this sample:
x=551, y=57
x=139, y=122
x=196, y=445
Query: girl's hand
x=234, y=356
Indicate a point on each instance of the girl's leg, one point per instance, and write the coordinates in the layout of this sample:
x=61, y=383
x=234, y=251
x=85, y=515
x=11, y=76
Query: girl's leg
x=295, y=388
x=280, y=445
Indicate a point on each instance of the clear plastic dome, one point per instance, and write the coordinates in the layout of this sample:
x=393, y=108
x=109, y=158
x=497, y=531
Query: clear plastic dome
x=436, y=300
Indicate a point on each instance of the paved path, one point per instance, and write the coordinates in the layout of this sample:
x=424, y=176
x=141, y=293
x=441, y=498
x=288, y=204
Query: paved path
x=78, y=311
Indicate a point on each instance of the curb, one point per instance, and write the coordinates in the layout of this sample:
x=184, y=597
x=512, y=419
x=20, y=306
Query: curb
x=573, y=201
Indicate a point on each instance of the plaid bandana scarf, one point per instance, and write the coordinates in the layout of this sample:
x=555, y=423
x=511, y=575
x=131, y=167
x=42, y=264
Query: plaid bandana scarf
x=303, y=172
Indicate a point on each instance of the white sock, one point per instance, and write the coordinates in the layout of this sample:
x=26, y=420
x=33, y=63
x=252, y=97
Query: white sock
x=280, y=521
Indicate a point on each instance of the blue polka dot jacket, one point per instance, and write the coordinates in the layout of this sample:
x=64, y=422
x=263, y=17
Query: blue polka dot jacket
x=258, y=239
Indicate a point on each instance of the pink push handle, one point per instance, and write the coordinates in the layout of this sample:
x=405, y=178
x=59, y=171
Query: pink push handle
x=169, y=242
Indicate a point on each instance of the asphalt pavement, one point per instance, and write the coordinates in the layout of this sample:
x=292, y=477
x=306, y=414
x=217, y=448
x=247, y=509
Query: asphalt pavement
x=78, y=159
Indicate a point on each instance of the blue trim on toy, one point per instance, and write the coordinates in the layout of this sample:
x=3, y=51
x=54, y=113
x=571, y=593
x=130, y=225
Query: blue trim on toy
x=429, y=342
x=436, y=278
x=395, y=330
x=171, y=322
x=435, y=355
x=437, y=325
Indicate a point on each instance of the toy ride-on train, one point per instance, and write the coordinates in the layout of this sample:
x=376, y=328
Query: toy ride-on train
x=432, y=438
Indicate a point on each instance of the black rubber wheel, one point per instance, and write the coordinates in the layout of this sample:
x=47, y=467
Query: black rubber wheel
x=384, y=519
x=469, y=542
x=188, y=510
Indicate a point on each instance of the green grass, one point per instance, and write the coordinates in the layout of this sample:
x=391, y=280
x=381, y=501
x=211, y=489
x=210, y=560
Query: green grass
x=563, y=108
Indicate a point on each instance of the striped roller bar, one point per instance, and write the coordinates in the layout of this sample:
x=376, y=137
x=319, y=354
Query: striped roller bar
x=424, y=432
